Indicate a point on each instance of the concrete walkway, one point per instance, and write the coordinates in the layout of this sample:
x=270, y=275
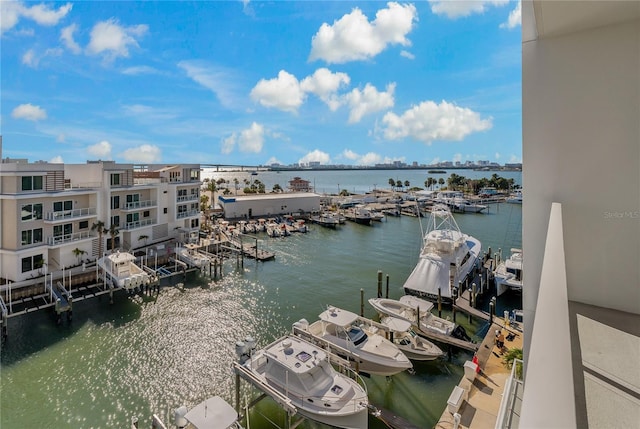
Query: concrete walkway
x=480, y=410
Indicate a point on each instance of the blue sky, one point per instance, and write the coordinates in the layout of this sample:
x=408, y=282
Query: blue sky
x=254, y=83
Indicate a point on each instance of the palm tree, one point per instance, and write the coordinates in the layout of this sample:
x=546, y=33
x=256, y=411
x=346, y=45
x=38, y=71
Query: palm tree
x=407, y=184
x=78, y=253
x=392, y=183
x=113, y=232
x=98, y=226
x=399, y=184
x=440, y=182
x=144, y=237
x=276, y=188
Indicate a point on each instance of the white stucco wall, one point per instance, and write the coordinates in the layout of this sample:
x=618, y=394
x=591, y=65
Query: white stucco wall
x=581, y=147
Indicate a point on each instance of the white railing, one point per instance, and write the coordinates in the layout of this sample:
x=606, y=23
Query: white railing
x=82, y=185
x=66, y=238
x=190, y=213
x=69, y=214
x=191, y=197
x=138, y=224
x=513, y=390
x=139, y=204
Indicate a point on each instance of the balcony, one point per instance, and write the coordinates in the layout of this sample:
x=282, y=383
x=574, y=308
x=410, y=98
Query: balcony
x=190, y=213
x=60, y=216
x=183, y=198
x=58, y=240
x=138, y=224
x=136, y=205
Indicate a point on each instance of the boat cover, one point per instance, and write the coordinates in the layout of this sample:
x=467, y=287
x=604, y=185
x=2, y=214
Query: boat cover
x=213, y=413
x=427, y=276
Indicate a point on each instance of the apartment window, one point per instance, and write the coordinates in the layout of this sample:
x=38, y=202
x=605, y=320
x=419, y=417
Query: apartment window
x=146, y=213
x=194, y=206
x=59, y=206
x=60, y=230
x=115, y=179
x=84, y=224
x=115, y=202
x=133, y=217
x=195, y=175
x=133, y=198
x=182, y=192
x=32, y=263
x=165, y=211
x=31, y=183
x=182, y=209
x=31, y=212
x=194, y=223
x=194, y=191
x=31, y=236
x=115, y=220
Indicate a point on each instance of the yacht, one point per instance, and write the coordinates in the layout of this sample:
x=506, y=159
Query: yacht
x=120, y=268
x=508, y=273
x=213, y=413
x=326, y=220
x=358, y=214
x=447, y=257
x=515, y=198
x=189, y=254
x=456, y=201
x=374, y=354
x=302, y=372
x=409, y=342
x=415, y=311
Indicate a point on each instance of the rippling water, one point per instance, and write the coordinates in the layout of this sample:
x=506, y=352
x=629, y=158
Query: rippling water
x=148, y=355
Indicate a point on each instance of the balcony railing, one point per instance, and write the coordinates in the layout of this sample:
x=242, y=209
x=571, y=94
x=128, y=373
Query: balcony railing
x=138, y=224
x=509, y=411
x=191, y=197
x=190, y=213
x=66, y=238
x=139, y=205
x=69, y=214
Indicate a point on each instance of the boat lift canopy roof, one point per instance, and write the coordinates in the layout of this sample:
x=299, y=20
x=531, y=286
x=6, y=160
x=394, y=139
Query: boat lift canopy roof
x=214, y=412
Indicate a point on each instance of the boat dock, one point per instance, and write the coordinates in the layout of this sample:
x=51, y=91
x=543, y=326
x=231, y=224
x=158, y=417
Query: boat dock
x=476, y=404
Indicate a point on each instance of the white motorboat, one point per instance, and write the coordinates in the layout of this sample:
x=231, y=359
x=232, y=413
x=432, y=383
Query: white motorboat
x=373, y=353
x=213, y=413
x=120, y=268
x=447, y=257
x=358, y=214
x=508, y=273
x=302, y=372
x=412, y=345
x=515, y=198
x=189, y=254
x=408, y=307
x=456, y=201
x=326, y=220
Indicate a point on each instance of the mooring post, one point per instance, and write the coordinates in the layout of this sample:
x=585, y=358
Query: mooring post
x=475, y=298
x=361, y=302
x=387, y=292
x=492, y=309
x=238, y=393
x=379, y=284
x=439, y=303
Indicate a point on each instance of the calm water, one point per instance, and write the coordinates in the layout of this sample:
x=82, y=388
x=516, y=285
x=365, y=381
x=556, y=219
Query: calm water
x=140, y=356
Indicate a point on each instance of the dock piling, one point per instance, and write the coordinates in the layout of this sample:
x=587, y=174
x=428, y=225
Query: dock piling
x=361, y=302
x=387, y=291
x=379, y=284
x=439, y=303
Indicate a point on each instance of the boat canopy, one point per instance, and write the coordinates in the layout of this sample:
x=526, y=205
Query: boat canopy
x=426, y=277
x=338, y=316
x=214, y=412
x=395, y=324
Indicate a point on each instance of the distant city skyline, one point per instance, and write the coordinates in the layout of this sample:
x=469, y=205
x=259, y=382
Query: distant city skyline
x=253, y=83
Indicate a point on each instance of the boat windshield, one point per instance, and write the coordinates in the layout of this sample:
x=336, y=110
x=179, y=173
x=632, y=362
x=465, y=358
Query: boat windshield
x=357, y=335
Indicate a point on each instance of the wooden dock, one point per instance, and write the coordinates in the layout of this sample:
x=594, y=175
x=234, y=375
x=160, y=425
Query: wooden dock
x=463, y=303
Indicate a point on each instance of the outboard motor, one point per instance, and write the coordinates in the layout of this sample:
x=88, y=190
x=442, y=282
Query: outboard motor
x=302, y=324
x=178, y=417
x=460, y=333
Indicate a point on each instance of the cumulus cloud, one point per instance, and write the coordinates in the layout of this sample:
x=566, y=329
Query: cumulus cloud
x=325, y=84
x=113, y=40
x=56, y=160
x=370, y=158
x=283, y=92
x=273, y=160
x=457, y=157
x=143, y=153
x=458, y=9
x=315, y=156
x=12, y=11
x=353, y=37
x=497, y=155
x=216, y=79
x=250, y=140
x=29, y=112
x=515, y=17
x=100, y=150
x=368, y=101
x=429, y=121
x=29, y=59
x=407, y=54
x=66, y=35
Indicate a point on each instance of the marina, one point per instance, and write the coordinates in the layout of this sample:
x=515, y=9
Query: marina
x=163, y=332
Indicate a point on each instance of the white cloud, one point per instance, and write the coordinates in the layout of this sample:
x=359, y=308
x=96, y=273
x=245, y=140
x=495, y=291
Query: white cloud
x=325, y=85
x=368, y=101
x=66, y=35
x=138, y=70
x=435, y=160
x=315, y=156
x=29, y=112
x=29, y=59
x=56, y=160
x=429, y=121
x=60, y=138
x=407, y=54
x=100, y=150
x=143, y=153
x=283, y=92
x=350, y=155
x=497, y=155
x=273, y=160
x=457, y=9
x=514, y=159
x=12, y=11
x=515, y=17
x=353, y=37
x=112, y=40
x=216, y=79
x=251, y=139
x=457, y=157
